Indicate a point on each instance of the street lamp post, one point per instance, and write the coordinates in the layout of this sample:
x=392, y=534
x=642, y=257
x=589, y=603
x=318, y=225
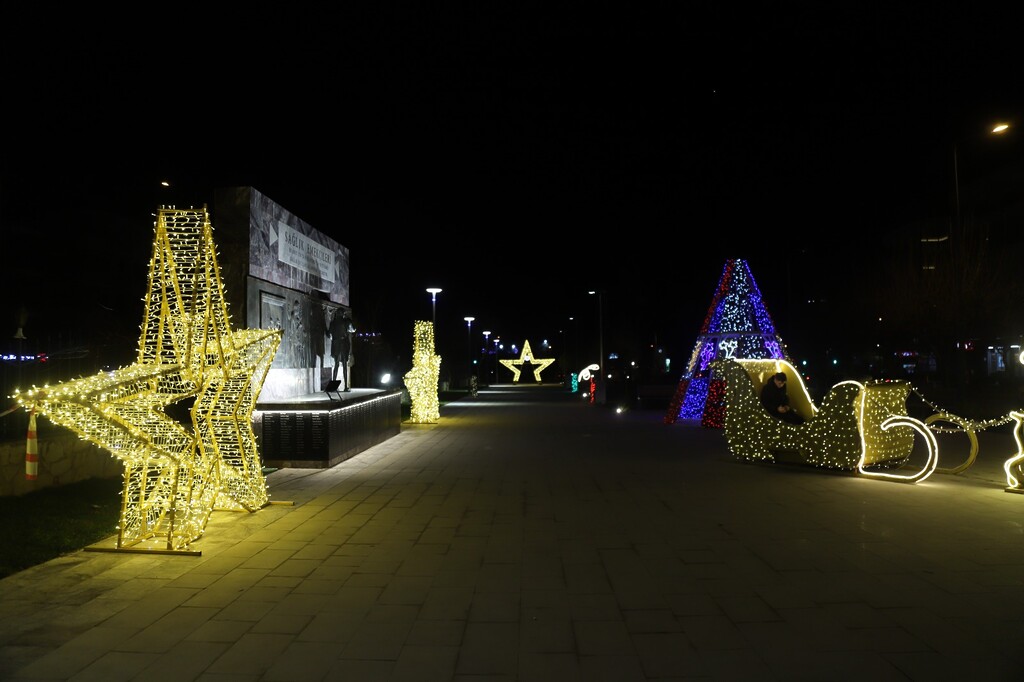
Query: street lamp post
x=433, y=291
x=574, y=359
x=483, y=366
x=495, y=362
x=469, y=350
x=997, y=129
x=601, y=394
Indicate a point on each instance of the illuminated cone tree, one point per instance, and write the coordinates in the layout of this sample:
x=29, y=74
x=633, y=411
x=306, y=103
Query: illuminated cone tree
x=737, y=325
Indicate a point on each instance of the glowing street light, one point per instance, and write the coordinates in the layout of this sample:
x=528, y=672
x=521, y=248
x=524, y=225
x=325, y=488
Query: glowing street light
x=600, y=344
x=433, y=291
x=484, y=366
x=469, y=349
x=997, y=129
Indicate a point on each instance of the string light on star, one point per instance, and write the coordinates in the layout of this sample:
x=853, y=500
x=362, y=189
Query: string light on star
x=177, y=471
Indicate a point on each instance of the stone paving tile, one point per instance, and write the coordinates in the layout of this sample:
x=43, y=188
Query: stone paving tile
x=548, y=540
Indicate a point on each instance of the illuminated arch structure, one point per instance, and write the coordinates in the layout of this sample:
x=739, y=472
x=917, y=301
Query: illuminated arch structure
x=526, y=357
x=176, y=472
x=738, y=326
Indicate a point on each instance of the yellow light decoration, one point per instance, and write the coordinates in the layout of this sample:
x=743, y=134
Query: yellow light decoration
x=422, y=379
x=1013, y=483
x=972, y=437
x=876, y=403
x=896, y=422
x=176, y=472
x=526, y=357
x=861, y=427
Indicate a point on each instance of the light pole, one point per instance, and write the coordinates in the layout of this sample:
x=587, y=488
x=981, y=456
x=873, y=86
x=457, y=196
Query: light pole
x=433, y=291
x=997, y=129
x=575, y=357
x=469, y=349
x=495, y=363
x=487, y=372
x=600, y=346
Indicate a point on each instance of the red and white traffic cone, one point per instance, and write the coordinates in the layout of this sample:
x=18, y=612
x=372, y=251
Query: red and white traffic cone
x=32, y=448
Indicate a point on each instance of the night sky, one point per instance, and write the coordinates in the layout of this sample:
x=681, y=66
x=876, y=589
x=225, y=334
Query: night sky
x=515, y=157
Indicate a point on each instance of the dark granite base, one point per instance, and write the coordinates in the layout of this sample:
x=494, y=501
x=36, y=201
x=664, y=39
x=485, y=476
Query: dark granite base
x=320, y=430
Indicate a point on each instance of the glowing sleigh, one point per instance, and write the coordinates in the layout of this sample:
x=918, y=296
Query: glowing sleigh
x=859, y=427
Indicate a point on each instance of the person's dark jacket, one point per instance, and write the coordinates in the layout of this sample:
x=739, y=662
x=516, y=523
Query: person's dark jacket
x=772, y=397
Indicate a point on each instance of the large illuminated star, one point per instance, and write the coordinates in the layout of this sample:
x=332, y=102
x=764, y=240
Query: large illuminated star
x=179, y=468
x=526, y=357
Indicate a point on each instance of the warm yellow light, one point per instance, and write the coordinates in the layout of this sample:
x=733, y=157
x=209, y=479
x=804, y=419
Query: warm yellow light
x=527, y=357
x=421, y=380
x=1000, y=128
x=856, y=427
x=175, y=473
x=926, y=470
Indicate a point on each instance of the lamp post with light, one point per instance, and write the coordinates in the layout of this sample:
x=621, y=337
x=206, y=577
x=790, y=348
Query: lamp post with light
x=469, y=350
x=433, y=291
x=600, y=388
x=495, y=362
x=997, y=129
x=484, y=366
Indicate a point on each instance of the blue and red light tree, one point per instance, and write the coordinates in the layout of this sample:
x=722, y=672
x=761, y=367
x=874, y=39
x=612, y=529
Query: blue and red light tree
x=737, y=325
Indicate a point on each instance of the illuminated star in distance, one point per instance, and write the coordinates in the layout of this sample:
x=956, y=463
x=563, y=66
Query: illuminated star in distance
x=527, y=357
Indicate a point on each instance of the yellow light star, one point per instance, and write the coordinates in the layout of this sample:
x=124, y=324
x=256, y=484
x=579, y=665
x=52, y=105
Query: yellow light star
x=526, y=357
x=177, y=470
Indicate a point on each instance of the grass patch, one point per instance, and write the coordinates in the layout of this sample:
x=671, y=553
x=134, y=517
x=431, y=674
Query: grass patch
x=45, y=524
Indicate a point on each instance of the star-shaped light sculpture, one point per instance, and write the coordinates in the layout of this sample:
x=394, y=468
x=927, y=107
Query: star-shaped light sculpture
x=526, y=357
x=176, y=471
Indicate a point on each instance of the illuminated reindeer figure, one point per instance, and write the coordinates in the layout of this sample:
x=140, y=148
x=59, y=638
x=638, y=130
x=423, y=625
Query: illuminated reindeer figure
x=1013, y=484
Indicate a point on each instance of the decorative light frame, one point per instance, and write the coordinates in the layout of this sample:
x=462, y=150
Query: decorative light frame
x=176, y=472
x=737, y=325
x=526, y=357
x=422, y=379
x=857, y=427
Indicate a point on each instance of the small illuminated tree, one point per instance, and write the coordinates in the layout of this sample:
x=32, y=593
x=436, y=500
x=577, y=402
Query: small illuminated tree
x=422, y=379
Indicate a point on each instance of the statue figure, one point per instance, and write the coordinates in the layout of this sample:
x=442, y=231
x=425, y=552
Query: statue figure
x=341, y=331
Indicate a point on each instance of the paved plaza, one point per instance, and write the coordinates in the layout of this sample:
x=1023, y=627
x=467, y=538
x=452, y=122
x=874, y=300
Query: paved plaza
x=531, y=536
